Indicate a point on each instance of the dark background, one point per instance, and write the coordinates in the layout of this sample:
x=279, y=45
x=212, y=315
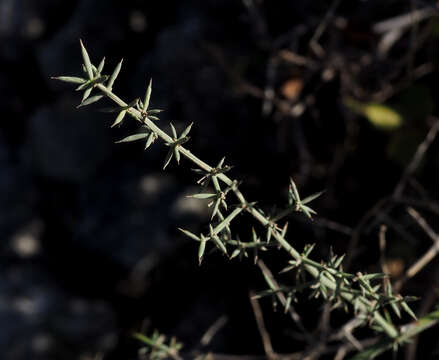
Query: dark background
x=89, y=247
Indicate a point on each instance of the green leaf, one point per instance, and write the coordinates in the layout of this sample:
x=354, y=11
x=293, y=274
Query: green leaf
x=87, y=62
x=174, y=132
x=186, y=131
x=374, y=276
x=150, y=140
x=101, y=66
x=119, y=118
x=90, y=83
x=114, y=75
x=294, y=192
x=189, y=234
x=408, y=310
x=84, y=85
x=381, y=116
x=225, y=223
x=182, y=140
x=306, y=211
x=86, y=94
x=70, y=79
x=312, y=197
x=147, y=96
x=235, y=253
x=221, y=162
x=168, y=157
x=90, y=100
x=308, y=249
x=215, y=208
x=133, y=137
x=177, y=154
x=203, y=196
x=269, y=233
x=201, y=249
x=219, y=244
x=339, y=261
x=395, y=309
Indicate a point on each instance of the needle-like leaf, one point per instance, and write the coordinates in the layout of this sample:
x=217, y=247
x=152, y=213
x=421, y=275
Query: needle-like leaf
x=87, y=62
x=69, y=79
x=311, y=197
x=174, y=132
x=168, y=157
x=101, y=67
x=190, y=235
x=90, y=100
x=119, y=118
x=186, y=131
x=114, y=75
x=147, y=96
x=150, y=140
x=134, y=137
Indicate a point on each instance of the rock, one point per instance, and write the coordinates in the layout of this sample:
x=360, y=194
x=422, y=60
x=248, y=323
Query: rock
x=40, y=319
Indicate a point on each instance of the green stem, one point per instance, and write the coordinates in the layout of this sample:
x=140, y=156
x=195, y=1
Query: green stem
x=311, y=268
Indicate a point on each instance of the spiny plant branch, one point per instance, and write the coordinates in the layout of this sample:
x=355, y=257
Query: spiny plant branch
x=330, y=281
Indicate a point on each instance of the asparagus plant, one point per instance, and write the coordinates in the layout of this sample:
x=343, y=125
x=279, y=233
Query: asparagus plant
x=361, y=293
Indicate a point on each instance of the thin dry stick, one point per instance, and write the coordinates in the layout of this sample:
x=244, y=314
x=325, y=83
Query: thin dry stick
x=391, y=223
x=345, y=332
x=389, y=90
x=314, y=45
x=383, y=204
x=333, y=225
x=213, y=329
x=269, y=93
x=404, y=21
x=352, y=250
x=423, y=224
x=266, y=342
x=413, y=40
x=280, y=295
x=427, y=257
x=382, y=241
x=416, y=160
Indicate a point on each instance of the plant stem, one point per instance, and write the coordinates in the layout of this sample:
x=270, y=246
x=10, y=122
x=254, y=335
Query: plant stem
x=310, y=266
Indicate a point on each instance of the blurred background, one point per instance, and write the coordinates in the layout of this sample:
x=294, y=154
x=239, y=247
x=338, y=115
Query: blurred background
x=339, y=95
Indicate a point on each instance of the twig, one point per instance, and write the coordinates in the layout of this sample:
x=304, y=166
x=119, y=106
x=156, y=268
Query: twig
x=355, y=239
x=269, y=94
x=383, y=217
x=423, y=224
x=332, y=225
x=296, y=59
x=404, y=21
x=417, y=157
x=213, y=329
x=314, y=45
x=266, y=342
x=280, y=295
x=258, y=21
x=413, y=40
x=382, y=242
x=427, y=257
x=389, y=90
